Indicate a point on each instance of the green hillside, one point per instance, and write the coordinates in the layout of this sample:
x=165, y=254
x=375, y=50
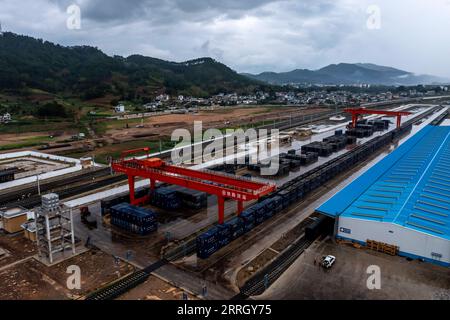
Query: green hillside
x=86, y=72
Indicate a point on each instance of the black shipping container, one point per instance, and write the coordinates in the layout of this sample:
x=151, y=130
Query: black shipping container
x=7, y=175
x=191, y=198
x=133, y=219
x=322, y=225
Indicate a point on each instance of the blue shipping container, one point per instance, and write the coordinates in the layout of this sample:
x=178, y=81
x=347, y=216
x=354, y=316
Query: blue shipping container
x=236, y=227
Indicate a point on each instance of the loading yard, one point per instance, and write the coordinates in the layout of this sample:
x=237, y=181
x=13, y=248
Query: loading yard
x=400, y=278
x=231, y=267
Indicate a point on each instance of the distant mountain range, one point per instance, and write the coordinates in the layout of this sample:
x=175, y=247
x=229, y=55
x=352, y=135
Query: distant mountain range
x=347, y=73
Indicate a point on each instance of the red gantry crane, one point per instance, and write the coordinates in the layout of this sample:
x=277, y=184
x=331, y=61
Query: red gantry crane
x=361, y=111
x=221, y=185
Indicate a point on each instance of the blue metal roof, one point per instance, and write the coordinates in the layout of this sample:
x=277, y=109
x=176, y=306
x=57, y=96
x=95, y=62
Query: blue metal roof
x=409, y=187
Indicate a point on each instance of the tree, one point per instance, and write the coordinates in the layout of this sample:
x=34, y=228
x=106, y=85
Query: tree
x=52, y=110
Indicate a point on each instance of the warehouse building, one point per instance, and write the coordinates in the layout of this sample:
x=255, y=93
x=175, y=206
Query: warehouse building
x=403, y=201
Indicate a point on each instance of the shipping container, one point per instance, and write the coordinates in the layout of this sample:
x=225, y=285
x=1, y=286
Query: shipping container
x=133, y=219
x=165, y=198
x=7, y=175
x=248, y=218
x=191, y=198
x=223, y=234
x=207, y=243
x=321, y=225
x=236, y=226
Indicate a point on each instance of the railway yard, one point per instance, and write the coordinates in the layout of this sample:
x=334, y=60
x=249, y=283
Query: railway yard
x=176, y=235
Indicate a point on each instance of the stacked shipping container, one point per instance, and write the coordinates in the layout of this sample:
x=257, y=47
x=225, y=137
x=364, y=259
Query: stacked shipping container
x=133, y=219
x=293, y=191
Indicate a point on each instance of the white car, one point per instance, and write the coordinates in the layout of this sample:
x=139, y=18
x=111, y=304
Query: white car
x=328, y=261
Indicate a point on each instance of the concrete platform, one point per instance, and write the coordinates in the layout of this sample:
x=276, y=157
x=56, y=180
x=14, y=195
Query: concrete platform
x=54, y=166
x=347, y=279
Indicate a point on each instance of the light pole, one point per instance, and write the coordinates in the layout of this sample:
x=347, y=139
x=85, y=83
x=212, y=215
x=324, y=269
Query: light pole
x=38, y=184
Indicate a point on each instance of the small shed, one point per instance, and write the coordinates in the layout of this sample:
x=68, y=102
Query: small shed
x=87, y=162
x=13, y=218
x=29, y=228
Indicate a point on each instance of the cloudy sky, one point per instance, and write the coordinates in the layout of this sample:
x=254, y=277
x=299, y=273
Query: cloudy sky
x=250, y=35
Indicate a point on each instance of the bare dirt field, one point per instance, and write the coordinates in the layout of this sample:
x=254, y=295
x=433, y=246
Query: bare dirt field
x=30, y=139
x=16, y=248
x=30, y=280
x=222, y=118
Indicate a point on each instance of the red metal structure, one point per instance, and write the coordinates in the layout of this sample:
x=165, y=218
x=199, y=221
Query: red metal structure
x=221, y=185
x=361, y=111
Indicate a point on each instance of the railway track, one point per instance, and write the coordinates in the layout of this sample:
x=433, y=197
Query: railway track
x=121, y=286
x=68, y=192
x=269, y=274
x=31, y=191
x=181, y=251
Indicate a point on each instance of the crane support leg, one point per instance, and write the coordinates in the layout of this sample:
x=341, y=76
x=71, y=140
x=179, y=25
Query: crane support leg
x=221, y=207
x=399, y=121
x=152, y=184
x=240, y=207
x=131, y=187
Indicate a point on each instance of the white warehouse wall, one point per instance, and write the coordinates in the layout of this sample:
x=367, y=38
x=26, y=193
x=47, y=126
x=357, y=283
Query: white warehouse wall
x=408, y=240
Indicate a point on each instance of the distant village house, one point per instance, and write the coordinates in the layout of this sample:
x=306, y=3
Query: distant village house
x=5, y=118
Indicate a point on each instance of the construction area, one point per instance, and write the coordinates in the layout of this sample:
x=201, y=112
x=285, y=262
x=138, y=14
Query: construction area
x=370, y=189
x=111, y=135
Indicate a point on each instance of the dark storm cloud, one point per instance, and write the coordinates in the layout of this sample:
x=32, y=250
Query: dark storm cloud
x=249, y=35
x=161, y=10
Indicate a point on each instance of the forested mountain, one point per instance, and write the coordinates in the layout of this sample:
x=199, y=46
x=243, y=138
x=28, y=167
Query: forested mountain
x=26, y=62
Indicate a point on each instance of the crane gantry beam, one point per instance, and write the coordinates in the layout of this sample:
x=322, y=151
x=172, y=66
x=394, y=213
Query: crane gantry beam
x=221, y=185
x=361, y=111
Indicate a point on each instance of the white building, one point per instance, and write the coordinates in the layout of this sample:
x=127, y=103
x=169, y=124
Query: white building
x=153, y=105
x=5, y=118
x=119, y=108
x=163, y=97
